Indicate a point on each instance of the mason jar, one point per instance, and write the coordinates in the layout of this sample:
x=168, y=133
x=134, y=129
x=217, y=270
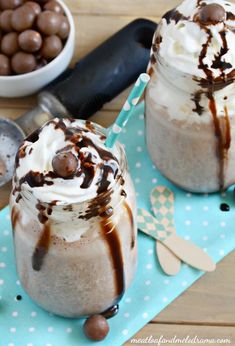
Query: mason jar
x=77, y=259
x=190, y=99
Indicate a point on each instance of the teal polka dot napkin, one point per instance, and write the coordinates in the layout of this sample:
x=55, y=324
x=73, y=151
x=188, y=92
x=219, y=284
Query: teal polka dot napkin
x=197, y=217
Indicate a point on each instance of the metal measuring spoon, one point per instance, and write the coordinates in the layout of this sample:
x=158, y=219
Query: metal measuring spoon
x=11, y=136
x=12, y=133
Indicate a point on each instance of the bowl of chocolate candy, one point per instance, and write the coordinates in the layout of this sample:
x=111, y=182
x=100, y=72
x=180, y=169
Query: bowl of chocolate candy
x=36, y=44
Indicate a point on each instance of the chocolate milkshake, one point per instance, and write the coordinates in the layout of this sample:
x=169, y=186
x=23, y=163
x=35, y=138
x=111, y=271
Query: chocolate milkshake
x=74, y=219
x=190, y=100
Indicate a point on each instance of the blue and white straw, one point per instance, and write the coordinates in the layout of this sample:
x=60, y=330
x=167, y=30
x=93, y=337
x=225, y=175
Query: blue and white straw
x=127, y=109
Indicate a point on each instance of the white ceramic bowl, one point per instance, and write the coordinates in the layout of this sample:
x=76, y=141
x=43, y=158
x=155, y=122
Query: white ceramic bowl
x=29, y=83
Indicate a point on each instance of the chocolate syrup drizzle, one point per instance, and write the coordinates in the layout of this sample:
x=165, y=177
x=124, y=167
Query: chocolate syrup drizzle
x=222, y=132
x=110, y=234
x=128, y=209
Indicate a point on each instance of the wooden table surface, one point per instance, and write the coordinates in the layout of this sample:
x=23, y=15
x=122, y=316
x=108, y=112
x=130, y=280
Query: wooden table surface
x=207, y=309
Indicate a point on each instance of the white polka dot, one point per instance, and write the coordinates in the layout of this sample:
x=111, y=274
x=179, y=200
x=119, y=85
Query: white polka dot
x=154, y=180
x=221, y=252
x=205, y=208
x=186, y=237
x=32, y=329
x=205, y=238
x=139, y=149
x=154, y=167
x=12, y=329
x=126, y=314
x=125, y=331
x=188, y=207
x=30, y=344
x=128, y=300
x=205, y=223
x=14, y=313
x=145, y=315
x=149, y=266
x=124, y=130
x=8, y=216
x=146, y=298
x=33, y=314
x=50, y=329
x=11, y=344
x=135, y=101
x=222, y=236
x=150, y=251
x=2, y=265
x=1, y=282
x=126, y=106
x=140, y=133
x=141, y=116
x=116, y=129
x=164, y=299
x=222, y=224
x=138, y=164
x=205, y=249
x=166, y=282
x=147, y=282
x=6, y=232
x=18, y=282
x=137, y=180
x=69, y=330
x=4, y=249
x=184, y=283
x=48, y=345
x=188, y=194
x=188, y=222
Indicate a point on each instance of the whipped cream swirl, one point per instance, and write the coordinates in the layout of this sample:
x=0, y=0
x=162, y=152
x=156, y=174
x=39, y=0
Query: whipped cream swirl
x=98, y=167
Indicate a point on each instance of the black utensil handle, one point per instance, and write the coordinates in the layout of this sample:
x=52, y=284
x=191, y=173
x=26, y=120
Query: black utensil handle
x=106, y=71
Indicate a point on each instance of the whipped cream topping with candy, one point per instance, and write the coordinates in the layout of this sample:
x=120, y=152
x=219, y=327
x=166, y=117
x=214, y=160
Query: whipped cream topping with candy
x=193, y=55
x=65, y=162
x=185, y=33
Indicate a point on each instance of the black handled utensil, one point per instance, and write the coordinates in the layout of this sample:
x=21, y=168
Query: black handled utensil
x=83, y=90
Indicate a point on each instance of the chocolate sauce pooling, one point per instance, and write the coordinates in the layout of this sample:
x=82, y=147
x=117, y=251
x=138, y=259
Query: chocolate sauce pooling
x=224, y=207
x=111, y=312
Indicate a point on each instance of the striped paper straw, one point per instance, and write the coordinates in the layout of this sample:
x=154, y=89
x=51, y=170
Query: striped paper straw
x=127, y=109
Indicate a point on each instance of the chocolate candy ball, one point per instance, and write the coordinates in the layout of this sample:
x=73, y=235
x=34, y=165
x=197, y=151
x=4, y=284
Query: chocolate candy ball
x=52, y=46
x=9, y=44
x=65, y=164
x=64, y=29
x=5, y=20
x=30, y=41
x=96, y=327
x=49, y=22
x=53, y=6
x=23, y=62
x=23, y=18
x=10, y=4
x=212, y=14
x=36, y=7
x=5, y=67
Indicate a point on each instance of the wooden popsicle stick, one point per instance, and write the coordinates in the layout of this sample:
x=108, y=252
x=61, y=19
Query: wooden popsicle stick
x=189, y=253
x=184, y=249
x=164, y=213
x=168, y=261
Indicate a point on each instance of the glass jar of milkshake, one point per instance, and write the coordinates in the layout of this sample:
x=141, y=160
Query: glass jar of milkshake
x=74, y=219
x=190, y=100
